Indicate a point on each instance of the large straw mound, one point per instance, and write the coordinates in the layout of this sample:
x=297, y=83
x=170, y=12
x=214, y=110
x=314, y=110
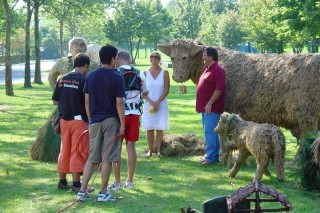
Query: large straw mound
x=178, y=145
x=47, y=144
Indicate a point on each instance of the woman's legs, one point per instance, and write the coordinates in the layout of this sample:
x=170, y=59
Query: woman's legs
x=150, y=138
x=159, y=139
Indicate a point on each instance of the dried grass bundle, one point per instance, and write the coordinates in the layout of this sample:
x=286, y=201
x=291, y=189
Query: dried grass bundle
x=47, y=144
x=179, y=145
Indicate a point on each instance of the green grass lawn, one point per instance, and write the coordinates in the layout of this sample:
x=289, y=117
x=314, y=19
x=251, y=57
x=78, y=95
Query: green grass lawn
x=161, y=185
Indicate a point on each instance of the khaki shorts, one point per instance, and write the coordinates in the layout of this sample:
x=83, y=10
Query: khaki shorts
x=102, y=135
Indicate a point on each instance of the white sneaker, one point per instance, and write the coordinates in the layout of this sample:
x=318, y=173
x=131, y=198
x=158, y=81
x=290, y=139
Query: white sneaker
x=82, y=196
x=128, y=185
x=106, y=197
x=114, y=186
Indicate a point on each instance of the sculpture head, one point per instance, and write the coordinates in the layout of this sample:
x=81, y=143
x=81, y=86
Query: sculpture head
x=221, y=127
x=93, y=52
x=186, y=58
x=77, y=45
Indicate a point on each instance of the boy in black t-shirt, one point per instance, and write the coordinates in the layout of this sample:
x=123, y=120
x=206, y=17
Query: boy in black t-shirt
x=70, y=98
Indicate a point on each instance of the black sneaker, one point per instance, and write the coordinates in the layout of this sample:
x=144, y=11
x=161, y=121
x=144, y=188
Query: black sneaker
x=61, y=186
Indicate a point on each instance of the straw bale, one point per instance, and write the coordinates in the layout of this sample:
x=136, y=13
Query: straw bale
x=281, y=89
x=179, y=145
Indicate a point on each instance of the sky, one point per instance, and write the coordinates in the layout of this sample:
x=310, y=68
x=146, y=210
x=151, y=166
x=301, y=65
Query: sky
x=164, y=2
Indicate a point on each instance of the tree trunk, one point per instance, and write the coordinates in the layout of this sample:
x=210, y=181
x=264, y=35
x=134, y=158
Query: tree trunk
x=27, y=75
x=37, y=71
x=137, y=50
x=130, y=45
x=8, y=75
x=61, y=37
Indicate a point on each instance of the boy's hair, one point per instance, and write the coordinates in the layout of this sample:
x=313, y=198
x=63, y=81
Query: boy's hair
x=80, y=60
x=125, y=55
x=106, y=53
x=212, y=52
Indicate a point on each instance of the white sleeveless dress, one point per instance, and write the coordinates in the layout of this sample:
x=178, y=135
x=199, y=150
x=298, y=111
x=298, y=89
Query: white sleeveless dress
x=159, y=120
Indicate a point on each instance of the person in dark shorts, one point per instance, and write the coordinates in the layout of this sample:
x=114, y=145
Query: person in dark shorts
x=104, y=101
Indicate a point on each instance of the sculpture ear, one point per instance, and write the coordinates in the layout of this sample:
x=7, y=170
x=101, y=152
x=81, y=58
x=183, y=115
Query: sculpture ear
x=196, y=49
x=166, y=49
x=224, y=118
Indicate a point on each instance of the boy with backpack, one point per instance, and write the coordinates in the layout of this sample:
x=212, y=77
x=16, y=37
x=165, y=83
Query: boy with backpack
x=135, y=90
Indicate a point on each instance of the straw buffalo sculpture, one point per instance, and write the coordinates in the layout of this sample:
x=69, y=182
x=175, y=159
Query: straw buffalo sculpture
x=264, y=141
x=281, y=89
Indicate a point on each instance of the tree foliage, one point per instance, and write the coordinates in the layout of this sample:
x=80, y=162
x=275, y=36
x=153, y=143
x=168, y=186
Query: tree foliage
x=264, y=32
x=230, y=32
x=187, y=22
x=300, y=21
x=133, y=22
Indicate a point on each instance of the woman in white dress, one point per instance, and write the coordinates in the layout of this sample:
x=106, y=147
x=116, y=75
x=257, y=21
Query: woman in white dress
x=155, y=114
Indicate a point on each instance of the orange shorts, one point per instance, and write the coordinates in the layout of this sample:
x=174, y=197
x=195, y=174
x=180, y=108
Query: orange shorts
x=132, y=126
x=68, y=160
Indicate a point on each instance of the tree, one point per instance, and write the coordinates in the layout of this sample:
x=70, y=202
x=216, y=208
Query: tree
x=135, y=22
x=265, y=33
x=186, y=18
x=8, y=75
x=27, y=73
x=73, y=12
x=2, y=21
x=229, y=29
x=209, y=19
x=37, y=70
x=59, y=9
x=50, y=40
x=221, y=6
x=302, y=19
x=122, y=25
x=156, y=21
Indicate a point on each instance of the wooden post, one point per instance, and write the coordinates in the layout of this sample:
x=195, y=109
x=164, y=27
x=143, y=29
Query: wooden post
x=182, y=89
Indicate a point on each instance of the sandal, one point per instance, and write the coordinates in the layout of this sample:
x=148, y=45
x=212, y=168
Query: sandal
x=148, y=155
x=159, y=155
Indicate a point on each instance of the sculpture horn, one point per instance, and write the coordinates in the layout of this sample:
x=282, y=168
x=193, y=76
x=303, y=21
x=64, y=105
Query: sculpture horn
x=198, y=41
x=166, y=39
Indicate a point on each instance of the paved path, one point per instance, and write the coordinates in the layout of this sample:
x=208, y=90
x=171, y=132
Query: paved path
x=18, y=72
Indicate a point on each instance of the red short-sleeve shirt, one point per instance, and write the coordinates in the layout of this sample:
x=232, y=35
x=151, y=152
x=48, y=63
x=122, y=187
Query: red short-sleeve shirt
x=212, y=78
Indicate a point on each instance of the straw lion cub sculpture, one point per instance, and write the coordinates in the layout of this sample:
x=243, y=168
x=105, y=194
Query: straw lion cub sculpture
x=263, y=141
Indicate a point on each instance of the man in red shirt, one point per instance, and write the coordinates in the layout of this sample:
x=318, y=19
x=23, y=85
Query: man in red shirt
x=210, y=102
